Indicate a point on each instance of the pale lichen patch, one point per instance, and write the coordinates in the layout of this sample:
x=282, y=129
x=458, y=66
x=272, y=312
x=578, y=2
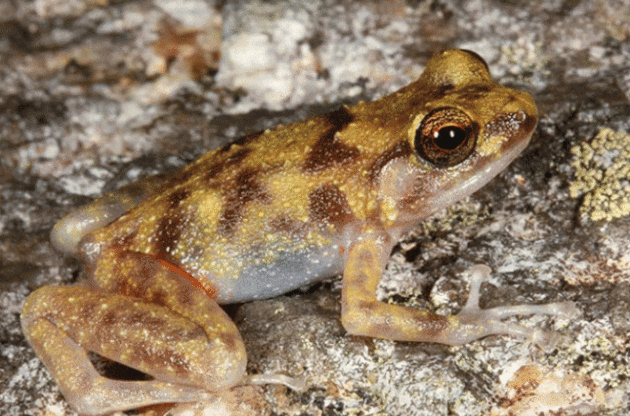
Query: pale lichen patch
x=602, y=175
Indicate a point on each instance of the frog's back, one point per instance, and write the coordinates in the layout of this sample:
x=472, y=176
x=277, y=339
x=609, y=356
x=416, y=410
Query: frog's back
x=259, y=217
x=279, y=209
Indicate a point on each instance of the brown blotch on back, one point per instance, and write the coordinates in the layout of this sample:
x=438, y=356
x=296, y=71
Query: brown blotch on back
x=400, y=149
x=127, y=240
x=328, y=205
x=230, y=162
x=329, y=150
x=168, y=232
x=171, y=225
x=284, y=224
x=175, y=198
x=241, y=141
x=245, y=189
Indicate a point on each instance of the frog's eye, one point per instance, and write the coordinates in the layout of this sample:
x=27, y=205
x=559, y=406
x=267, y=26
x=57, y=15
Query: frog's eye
x=446, y=137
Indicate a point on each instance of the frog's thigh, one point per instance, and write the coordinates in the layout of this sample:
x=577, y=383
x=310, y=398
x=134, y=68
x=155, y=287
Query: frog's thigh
x=187, y=360
x=67, y=233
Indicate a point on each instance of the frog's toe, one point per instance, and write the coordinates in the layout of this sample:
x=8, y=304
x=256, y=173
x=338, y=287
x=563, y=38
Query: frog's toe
x=476, y=323
x=292, y=383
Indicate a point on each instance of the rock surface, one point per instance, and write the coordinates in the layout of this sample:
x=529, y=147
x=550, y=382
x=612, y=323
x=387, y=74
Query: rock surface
x=95, y=94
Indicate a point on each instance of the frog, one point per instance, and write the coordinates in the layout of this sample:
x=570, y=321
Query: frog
x=267, y=214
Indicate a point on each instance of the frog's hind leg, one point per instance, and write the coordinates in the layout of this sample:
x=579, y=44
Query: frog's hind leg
x=84, y=388
x=67, y=233
x=174, y=332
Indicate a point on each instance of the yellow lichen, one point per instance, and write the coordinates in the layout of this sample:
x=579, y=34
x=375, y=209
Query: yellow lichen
x=602, y=175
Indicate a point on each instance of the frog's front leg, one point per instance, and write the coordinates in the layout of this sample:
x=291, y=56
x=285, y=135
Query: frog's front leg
x=363, y=314
x=176, y=333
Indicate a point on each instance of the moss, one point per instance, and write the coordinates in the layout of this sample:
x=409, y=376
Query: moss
x=602, y=175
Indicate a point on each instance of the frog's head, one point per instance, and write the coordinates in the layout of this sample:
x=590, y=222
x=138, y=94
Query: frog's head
x=463, y=130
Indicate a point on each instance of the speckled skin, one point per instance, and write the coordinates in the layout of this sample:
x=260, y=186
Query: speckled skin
x=265, y=215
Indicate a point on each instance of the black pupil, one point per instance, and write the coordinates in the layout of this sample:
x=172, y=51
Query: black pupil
x=448, y=138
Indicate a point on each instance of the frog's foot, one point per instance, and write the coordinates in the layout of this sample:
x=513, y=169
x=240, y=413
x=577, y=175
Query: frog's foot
x=474, y=322
x=292, y=383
